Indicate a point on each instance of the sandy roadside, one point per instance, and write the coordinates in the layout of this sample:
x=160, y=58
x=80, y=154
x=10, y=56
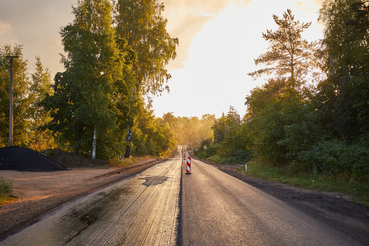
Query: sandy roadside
x=29, y=186
x=39, y=193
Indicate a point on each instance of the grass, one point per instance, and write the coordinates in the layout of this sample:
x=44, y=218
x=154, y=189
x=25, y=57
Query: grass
x=6, y=187
x=125, y=162
x=358, y=192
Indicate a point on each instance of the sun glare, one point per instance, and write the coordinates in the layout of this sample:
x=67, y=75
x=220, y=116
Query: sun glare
x=223, y=52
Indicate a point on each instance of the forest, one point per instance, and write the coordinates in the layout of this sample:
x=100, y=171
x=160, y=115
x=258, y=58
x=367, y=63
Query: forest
x=312, y=114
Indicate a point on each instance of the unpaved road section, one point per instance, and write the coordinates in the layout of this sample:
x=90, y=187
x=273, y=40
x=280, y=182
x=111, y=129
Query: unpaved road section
x=42, y=192
x=140, y=210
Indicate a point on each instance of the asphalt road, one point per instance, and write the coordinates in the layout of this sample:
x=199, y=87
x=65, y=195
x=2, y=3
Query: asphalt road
x=212, y=208
x=142, y=210
x=218, y=209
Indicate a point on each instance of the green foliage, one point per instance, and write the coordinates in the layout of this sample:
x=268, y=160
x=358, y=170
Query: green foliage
x=140, y=22
x=361, y=15
x=234, y=149
x=189, y=131
x=6, y=188
x=151, y=136
x=92, y=92
x=21, y=99
x=261, y=97
x=268, y=128
x=48, y=153
x=237, y=156
x=211, y=150
x=261, y=169
x=101, y=87
x=301, y=127
x=215, y=159
x=40, y=139
x=321, y=130
x=346, y=41
x=336, y=158
x=235, y=145
x=283, y=124
x=308, y=180
x=219, y=129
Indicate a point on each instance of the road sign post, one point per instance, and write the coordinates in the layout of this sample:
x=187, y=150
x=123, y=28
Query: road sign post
x=188, y=166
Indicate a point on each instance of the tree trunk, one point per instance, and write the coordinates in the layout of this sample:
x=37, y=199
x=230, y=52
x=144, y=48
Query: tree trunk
x=129, y=140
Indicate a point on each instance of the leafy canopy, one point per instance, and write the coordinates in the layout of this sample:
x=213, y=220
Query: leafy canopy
x=144, y=28
x=89, y=94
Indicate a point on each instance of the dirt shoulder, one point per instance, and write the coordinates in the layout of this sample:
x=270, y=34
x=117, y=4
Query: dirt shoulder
x=42, y=192
x=328, y=207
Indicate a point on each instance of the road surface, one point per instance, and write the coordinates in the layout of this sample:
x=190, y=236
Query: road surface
x=214, y=209
x=218, y=209
x=142, y=210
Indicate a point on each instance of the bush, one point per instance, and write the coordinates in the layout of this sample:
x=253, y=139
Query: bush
x=209, y=151
x=238, y=156
x=5, y=190
x=336, y=158
x=215, y=159
x=5, y=187
x=48, y=153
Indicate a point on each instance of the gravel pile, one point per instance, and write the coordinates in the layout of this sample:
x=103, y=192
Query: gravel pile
x=22, y=159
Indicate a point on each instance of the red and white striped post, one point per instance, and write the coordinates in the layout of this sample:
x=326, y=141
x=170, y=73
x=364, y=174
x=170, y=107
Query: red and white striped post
x=188, y=167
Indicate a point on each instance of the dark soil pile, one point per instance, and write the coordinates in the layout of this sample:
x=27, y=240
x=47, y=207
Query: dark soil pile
x=22, y=159
x=74, y=160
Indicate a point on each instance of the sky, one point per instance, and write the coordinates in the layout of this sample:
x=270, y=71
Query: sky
x=218, y=42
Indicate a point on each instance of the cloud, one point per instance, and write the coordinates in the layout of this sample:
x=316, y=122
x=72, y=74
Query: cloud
x=222, y=53
x=6, y=33
x=35, y=25
x=186, y=18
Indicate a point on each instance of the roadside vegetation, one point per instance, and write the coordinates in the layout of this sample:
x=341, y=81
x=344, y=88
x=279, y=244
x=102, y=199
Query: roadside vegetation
x=308, y=125
x=6, y=188
x=355, y=191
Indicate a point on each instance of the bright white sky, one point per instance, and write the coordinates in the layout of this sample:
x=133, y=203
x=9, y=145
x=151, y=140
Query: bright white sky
x=219, y=40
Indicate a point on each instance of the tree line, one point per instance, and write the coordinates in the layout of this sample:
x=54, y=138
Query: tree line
x=115, y=57
x=312, y=114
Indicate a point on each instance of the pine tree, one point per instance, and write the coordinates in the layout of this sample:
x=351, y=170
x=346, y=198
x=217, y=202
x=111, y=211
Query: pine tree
x=21, y=114
x=41, y=140
x=288, y=52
